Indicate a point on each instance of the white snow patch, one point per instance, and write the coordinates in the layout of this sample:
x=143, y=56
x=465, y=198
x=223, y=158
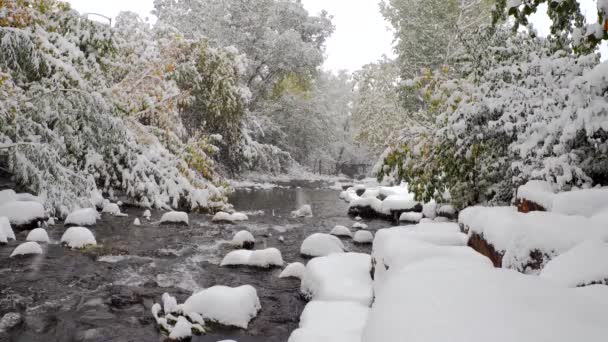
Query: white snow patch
x=78, y=237
x=147, y=214
x=585, y=264
x=261, y=258
x=174, y=217
x=293, y=270
x=38, y=235
x=320, y=244
x=82, y=217
x=341, y=231
x=27, y=248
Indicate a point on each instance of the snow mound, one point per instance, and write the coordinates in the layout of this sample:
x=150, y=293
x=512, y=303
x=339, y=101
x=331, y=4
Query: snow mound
x=410, y=217
x=231, y=218
x=136, y=222
x=38, y=235
x=319, y=244
x=243, y=239
x=585, y=264
x=363, y=236
x=78, y=237
x=341, y=231
x=586, y=202
x=175, y=217
x=22, y=213
x=82, y=217
x=339, y=277
x=260, y=258
x=293, y=270
x=539, y=192
x=429, y=210
x=398, y=203
x=181, y=330
x=6, y=231
x=27, y=248
x=111, y=208
x=304, y=211
x=331, y=321
x=359, y=225
x=234, y=306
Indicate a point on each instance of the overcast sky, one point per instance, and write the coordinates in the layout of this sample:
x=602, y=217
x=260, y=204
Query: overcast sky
x=362, y=36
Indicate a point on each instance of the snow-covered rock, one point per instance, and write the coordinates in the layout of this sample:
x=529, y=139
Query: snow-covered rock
x=147, y=214
x=136, y=222
x=411, y=217
x=585, y=264
x=331, y=322
x=243, y=239
x=82, y=217
x=7, y=196
x=169, y=303
x=234, y=306
x=400, y=203
x=230, y=218
x=360, y=225
x=261, y=258
x=23, y=214
x=293, y=270
x=78, y=237
x=538, y=192
x=429, y=210
x=304, y=211
x=586, y=202
x=319, y=244
x=174, y=217
x=50, y=221
x=339, y=277
x=341, y=231
x=6, y=231
x=363, y=236
x=111, y=208
x=446, y=211
x=27, y=248
x=181, y=330
x=38, y=235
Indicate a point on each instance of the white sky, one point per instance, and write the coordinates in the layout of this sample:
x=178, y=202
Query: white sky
x=362, y=36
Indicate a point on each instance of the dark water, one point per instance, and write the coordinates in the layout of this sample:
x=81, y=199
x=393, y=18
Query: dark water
x=67, y=295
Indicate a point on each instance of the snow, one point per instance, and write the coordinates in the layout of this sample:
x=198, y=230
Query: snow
x=586, y=202
x=460, y=305
x=174, y=217
x=398, y=202
x=38, y=235
x=539, y=192
x=585, y=264
x=169, y=303
x=227, y=217
x=260, y=258
x=20, y=213
x=147, y=214
x=339, y=277
x=111, y=208
x=242, y=237
x=371, y=202
x=78, y=237
x=136, y=222
x=181, y=330
x=234, y=306
x=6, y=231
x=82, y=217
x=429, y=210
x=7, y=196
x=331, y=322
x=50, y=221
x=293, y=270
x=446, y=210
x=341, y=231
x=360, y=225
x=304, y=211
x=27, y=248
x=410, y=217
x=320, y=244
x=363, y=236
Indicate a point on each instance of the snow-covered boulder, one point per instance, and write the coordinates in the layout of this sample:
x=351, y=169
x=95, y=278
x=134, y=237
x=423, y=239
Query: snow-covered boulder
x=78, y=237
x=429, y=210
x=319, y=244
x=82, y=217
x=23, y=215
x=6, y=231
x=137, y=222
x=339, y=277
x=174, y=217
x=261, y=258
x=38, y=235
x=111, y=208
x=304, y=211
x=370, y=207
x=182, y=329
x=27, y=248
x=229, y=218
x=341, y=231
x=410, y=217
x=585, y=264
x=586, y=202
x=360, y=225
x=400, y=203
x=147, y=214
x=169, y=303
x=536, y=195
x=363, y=237
x=8, y=195
x=331, y=321
x=243, y=239
x=293, y=270
x=447, y=211
x=233, y=306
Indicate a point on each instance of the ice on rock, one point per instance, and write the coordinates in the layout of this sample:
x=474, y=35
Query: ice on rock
x=339, y=277
x=38, y=235
x=304, y=211
x=111, y=208
x=293, y=270
x=231, y=218
x=174, y=217
x=360, y=225
x=319, y=244
x=27, y=248
x=78, y=237
x=363, y=236
x=181, y=330
x=331, y=322
x=82, y=217
x=585, y=264
x=243, y=239
x=137, y=222
x=411, y=217
x=260, y=258
x=6, y=231
x=22, y=213
x=341, y=231
x=233, y=306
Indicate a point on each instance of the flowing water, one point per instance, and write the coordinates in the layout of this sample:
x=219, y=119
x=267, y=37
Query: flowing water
x=105, y=293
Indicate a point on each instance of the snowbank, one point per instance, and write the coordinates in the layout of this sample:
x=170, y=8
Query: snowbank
x=319, y=244
x=174, y=217
x=78, y=237
x=331, y=322
x=339, y=277
x=38, y=235
x=304, y=211
x=585, y=264
x=293, y=270
x=234, y=306
x=243, y=239
x=411, y=217
x=260, y=258
x=341, y=231
x=22, y=213
x=363, y=236
x=27, y=248
x=82, y=217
